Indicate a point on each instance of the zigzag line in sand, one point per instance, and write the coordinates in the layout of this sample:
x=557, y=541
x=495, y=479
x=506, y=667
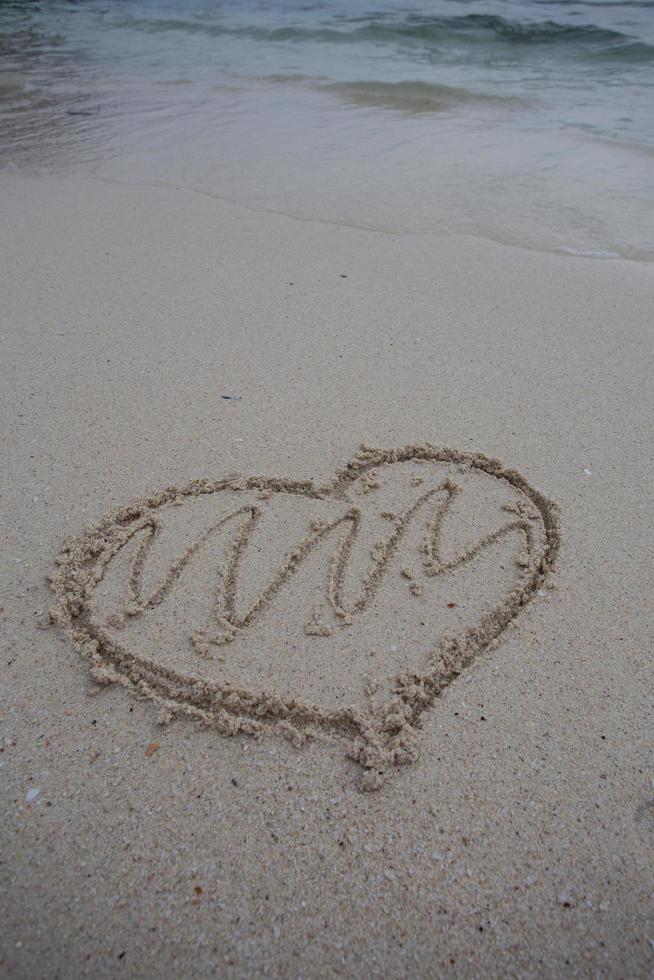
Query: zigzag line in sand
x=378, y=741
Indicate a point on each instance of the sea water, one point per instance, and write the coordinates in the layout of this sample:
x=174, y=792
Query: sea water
x=529, y=122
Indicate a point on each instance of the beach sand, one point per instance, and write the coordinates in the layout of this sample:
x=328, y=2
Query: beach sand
x=152, y=337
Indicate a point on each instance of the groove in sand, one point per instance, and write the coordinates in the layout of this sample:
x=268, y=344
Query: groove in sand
x=379, y=740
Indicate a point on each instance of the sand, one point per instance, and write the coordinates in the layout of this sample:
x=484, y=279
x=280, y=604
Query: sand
x=184, y=382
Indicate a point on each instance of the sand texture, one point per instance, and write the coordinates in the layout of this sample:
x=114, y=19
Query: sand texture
x=293, y=511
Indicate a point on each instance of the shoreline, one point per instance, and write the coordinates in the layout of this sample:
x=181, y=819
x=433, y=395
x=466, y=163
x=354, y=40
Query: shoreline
x=564, y=251
x=508, y=175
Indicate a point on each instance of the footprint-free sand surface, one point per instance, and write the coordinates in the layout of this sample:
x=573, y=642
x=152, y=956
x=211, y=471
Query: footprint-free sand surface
x=292, y=511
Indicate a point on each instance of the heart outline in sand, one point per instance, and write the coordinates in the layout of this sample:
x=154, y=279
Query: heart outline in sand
x=378, y=742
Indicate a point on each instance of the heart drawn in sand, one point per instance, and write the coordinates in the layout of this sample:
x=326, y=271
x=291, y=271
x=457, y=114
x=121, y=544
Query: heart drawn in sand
x=264, y=604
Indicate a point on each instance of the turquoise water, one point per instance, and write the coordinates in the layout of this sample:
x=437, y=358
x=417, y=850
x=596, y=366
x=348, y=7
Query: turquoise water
x=527, y=122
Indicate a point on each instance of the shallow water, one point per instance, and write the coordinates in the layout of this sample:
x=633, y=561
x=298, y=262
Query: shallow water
x=529, y=122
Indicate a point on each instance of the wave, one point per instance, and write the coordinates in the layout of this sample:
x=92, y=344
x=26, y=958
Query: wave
x=526, y=32
x=416, y=97
x=641, y=4
x=632, y=51
x=425, y=30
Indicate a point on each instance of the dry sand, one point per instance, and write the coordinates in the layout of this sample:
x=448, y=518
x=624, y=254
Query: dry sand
x=511, y=829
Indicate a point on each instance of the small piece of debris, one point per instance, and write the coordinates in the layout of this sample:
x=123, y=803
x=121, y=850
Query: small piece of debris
x=32, y=794
x=588, y=472
x=452, y=605
x=151, y=749
x=231, y=398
